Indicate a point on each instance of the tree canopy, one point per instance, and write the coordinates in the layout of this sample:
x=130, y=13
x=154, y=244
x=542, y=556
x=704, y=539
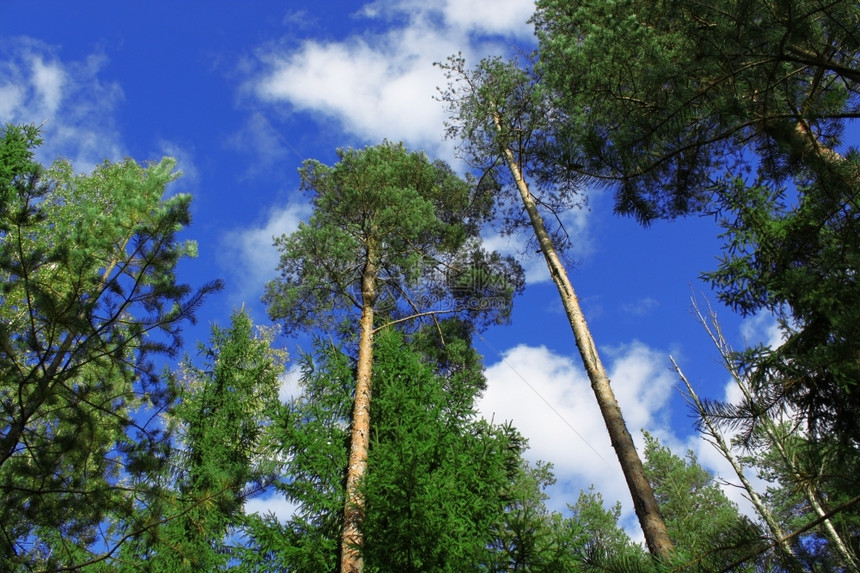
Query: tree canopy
x=739, y=110
x=395, y=238
x=666, y=97
x=89, y=296
x=443, y=488
x=116, y=456
x=414, y=221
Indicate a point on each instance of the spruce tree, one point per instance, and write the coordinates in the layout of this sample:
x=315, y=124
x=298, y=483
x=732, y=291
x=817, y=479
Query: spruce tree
x=442, y=486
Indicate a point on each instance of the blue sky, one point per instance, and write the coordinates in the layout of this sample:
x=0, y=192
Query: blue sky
x=242, y=93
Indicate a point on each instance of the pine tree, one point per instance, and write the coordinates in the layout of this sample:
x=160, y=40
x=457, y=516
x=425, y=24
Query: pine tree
x=393, y=238
x=738, y=109
x=597, y=533
x=666, y=98
x=706, y=528
x=89, y=297
x=503, y=119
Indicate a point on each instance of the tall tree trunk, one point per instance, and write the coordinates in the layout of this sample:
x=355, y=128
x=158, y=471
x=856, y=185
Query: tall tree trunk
x=644, y=502
x=351, y=538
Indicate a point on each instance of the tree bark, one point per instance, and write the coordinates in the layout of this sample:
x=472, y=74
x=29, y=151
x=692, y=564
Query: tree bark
x=351, y=538
x=644, y=502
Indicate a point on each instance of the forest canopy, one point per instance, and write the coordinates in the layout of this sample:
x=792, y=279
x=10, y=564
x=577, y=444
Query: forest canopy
x=125, y=447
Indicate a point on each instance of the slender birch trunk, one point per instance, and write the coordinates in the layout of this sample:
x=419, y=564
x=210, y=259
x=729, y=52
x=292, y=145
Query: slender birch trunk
x=812, y=497
x=725, y=450
x=776, y=442
x=651, y=520
x=351, y=538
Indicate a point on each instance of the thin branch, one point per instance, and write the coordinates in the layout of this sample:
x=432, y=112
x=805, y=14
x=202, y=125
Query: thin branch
x=790, y=536
x=413, y=316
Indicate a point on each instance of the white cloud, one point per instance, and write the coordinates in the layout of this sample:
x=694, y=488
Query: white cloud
x=74, y=106
x=508, y=18
x=274, y=503
x=267, y=145
x=382, y=86
x=373, y=94
x=290, y=387
x=641, y=307
x=249, y=255
x=502, y=17
x=11, y=99
x=550, y=401
x=48, y=82
x=643, y=384
x=762, y=328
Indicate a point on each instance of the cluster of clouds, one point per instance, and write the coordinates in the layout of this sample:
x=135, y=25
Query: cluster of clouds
x=74, y=106
x=548, y=398
x=382, y=85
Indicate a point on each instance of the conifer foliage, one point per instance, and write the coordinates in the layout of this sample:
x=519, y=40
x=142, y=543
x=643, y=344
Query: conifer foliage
x=222, y=452
x=88, y=296
x=115, y=457
x=444, y=490
x=737, y=109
